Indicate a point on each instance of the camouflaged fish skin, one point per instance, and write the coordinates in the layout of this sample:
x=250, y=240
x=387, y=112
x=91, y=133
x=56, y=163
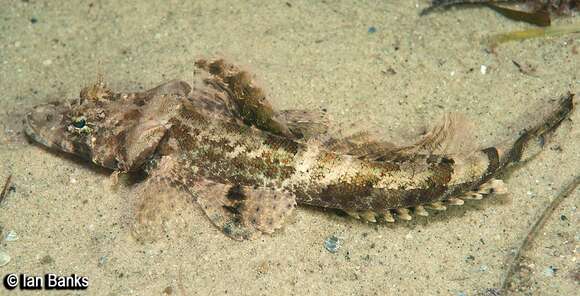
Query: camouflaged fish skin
x=248, y=165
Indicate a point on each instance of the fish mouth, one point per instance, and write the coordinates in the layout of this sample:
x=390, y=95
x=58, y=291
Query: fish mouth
x=43, y=123
x=33, y=134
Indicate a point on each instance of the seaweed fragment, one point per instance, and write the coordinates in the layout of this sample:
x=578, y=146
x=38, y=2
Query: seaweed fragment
x=540, y=17
x=524, y=68
x=515, y=264
x=537, y=12
x=5, y=189
x=494, y=40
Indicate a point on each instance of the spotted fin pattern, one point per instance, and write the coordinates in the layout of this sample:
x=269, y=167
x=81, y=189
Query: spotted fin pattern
x=243, y=212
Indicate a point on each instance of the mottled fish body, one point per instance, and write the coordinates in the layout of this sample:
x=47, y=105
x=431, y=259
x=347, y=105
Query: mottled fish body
x=248, y=165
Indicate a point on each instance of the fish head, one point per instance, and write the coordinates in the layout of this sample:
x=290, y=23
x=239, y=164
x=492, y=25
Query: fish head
x=115, y=131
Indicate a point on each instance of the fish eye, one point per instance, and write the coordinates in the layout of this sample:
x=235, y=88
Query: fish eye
x=79, y=125
x=79, y=122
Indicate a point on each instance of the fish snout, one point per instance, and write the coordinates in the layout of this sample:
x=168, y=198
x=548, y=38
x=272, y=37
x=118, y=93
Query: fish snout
x=43, y=123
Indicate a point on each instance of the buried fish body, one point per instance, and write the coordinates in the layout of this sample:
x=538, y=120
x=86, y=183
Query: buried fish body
x=248, y=165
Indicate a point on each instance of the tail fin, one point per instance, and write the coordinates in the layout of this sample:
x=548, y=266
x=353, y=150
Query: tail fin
x=531, y=141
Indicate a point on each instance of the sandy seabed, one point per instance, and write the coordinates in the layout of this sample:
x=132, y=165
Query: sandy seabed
x=373, y=65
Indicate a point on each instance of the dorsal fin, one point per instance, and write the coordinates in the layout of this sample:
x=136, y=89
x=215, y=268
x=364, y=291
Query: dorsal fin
x=304, y=124
x=362, y=145
x=451, y=135
x=245, y=99
x=225, y=90
x=172, y=87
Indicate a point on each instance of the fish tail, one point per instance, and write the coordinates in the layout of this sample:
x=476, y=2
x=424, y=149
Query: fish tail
x=531, y=141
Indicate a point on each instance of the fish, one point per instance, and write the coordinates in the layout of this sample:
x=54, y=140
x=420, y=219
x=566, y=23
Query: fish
x=219, y=142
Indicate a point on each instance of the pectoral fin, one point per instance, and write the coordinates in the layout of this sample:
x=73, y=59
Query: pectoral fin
x=159, y=208
x=243, y=212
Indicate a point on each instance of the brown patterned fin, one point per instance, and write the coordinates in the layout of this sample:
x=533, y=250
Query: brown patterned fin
x=243, y=212
x=152, y=122
x=248, y=100
x=493, y=186
x=159, y=207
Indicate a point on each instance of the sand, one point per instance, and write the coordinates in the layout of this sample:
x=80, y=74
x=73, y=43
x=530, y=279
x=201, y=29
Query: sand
x=393, y=80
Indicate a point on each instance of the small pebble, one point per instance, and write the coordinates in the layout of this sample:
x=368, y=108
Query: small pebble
x=46, y=260
x=469, y=258
x=168, y=291
x=11, y=236
x=4, y=258
x=483, y=69
x=102, y=260
x=332, y=244
x=492, y=292
x=550, y=271
x=372, y=30
x=263, y=267
x=33, y=20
